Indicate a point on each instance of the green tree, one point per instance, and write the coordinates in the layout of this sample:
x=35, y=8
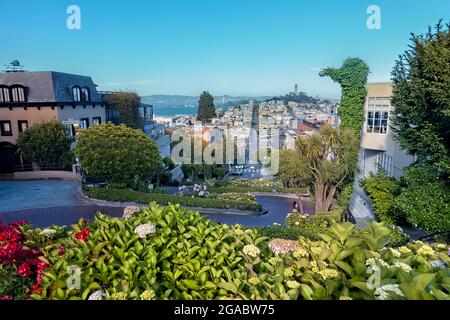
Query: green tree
x=330, y=157
x=127, y=104
x=422, y=97
x=118, y=154
x=352, y=77
x=383, y=192
x=424, y=199
x=206, y=108
x=293, y=172
x=47, y=144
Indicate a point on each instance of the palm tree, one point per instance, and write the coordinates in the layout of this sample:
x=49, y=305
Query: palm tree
x=331, y=157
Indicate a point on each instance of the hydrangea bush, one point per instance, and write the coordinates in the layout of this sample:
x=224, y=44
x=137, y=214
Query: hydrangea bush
x=172, y=253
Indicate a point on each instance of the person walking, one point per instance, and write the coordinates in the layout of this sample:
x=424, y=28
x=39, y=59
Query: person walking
x=295, y=207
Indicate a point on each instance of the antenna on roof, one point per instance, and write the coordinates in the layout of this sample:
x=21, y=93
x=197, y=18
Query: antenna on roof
x=14, y=66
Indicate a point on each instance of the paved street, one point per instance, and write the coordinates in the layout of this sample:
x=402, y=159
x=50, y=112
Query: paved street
x=45, y=203
x=20, y=195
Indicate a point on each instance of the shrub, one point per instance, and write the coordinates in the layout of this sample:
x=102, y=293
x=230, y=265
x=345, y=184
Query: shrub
x=46, y=144
x=425, y=199
x=344, y=195
x=179, y=256
x=312, y=227
x=171, y=253
x=118, y=154
x=383, y=191
x=277, y=231
x=127, y=195
x=21, y=266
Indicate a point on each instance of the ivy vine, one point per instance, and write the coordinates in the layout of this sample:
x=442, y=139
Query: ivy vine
x=352, y=77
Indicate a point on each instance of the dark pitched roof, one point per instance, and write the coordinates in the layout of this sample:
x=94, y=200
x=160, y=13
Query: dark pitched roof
x=49, y=86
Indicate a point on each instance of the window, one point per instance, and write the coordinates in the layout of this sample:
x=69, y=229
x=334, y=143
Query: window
x=85, y=96
x=23, y=125
x=385, y=164
x=76, y=94
x=146, y=113
x=97, y=120
x=4, y=94
x=5, y=128
x=378, y=115
x=84, y=123
x=18, y=94
x=112, y=115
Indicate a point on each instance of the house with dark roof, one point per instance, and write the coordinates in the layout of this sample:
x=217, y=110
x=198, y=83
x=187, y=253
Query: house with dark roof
x=29, y=98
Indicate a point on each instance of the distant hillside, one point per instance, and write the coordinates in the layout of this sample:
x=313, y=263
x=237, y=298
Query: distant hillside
x=302, y=97
x=176, y=100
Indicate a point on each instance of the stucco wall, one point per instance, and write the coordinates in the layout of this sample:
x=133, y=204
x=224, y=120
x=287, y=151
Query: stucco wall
x=33, y=115
x=42, y=175
x=79, y=112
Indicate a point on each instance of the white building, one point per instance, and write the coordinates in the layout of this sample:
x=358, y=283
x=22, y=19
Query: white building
x=379, y=150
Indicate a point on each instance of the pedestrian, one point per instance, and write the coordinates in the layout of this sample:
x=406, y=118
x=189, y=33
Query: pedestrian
x=295, y=207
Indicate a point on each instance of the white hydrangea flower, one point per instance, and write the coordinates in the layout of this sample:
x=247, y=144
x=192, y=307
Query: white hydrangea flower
x=293, y=284
x=97, y=295
x=402, y=266
x=145, y=229
x=128, y=212
x=396, y=253
x=384, y=292
x=48, y=232
x=148, y=295
x=251, y=250
x=376, y=262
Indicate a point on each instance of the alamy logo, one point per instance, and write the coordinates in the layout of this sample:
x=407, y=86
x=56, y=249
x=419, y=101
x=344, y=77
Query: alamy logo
x=73, y=22
x=74, y=280
x=374, y=281
x=374, y=19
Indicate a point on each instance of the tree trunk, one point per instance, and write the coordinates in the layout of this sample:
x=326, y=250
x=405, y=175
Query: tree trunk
x=329, y=198
x=319, y=197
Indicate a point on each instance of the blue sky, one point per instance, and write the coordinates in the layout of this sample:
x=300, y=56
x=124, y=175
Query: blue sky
x=236, y=47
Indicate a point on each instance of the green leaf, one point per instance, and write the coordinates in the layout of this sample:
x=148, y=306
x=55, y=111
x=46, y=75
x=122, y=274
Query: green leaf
x=229, y=286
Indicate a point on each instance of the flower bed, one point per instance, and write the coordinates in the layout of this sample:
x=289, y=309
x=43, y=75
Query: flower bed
x=126, y=195
x=21, y=265
x=172, y=253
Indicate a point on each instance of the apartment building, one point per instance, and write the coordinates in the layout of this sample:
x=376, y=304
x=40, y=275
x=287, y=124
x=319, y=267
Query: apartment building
x=379, y=150
x=29, y=98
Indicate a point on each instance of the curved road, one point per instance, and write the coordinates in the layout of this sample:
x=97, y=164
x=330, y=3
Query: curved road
x=61, y=206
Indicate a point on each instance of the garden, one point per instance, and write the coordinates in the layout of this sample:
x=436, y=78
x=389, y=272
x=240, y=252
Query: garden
x=245, y=202
x=164, y=253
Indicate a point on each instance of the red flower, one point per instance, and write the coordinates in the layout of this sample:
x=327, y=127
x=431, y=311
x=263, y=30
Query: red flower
x=24, y=270
x=83, y=235
x=11, y=252
x=36, y=289
x=18, y=224
x=10, y=235
x=61, y=251
x=5, y=298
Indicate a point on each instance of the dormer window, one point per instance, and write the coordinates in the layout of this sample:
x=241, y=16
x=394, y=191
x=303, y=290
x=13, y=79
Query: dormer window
x=76, y=94
x=85, y=96
x=18, y=94
x=4, y=95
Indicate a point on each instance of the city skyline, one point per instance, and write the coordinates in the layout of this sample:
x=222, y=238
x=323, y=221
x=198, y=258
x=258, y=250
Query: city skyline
x=248, y=48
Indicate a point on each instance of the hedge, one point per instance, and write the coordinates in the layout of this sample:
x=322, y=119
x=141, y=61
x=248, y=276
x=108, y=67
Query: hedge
x=128, y=195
